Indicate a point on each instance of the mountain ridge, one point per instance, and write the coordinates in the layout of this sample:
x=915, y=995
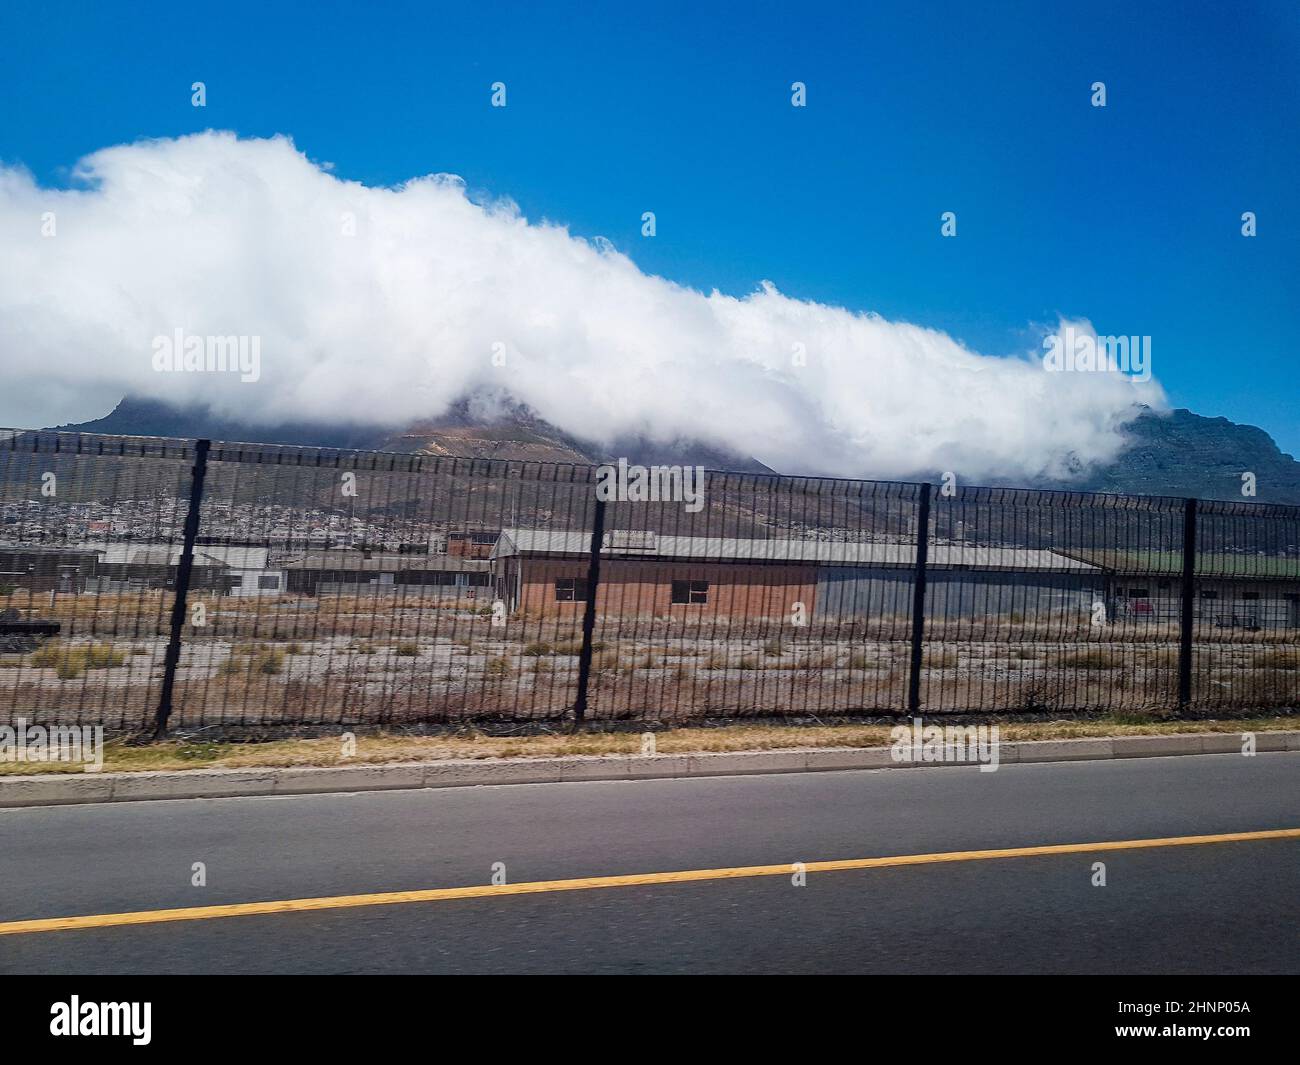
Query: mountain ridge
x=1178, y=453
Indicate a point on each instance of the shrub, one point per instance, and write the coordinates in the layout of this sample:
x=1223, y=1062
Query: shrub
x=1093, y=658
x=46, y=656
x=406, y=650
x=69, y=662
x=269, y=661
x=536, y=650
x=1276, y=658
x=102, y=656
x=574, y=647
x=233, y=665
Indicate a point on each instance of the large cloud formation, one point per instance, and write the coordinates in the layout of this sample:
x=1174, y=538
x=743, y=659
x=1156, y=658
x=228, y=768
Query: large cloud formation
x=388, y=304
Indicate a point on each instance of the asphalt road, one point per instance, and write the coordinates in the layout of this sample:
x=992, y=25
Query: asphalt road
x=1215, y=908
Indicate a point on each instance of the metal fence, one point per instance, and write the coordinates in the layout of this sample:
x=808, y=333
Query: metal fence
x=149, y=583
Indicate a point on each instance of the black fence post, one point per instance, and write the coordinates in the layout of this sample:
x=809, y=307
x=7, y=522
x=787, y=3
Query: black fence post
x=1189, y=591
x=918, y=599
x=589, y=614
x=197, y=473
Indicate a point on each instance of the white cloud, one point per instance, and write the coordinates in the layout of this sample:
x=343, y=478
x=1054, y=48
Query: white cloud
x=220, y=236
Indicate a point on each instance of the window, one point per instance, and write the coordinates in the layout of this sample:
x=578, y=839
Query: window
x=571, y=590
x=1138, y=593
x=690, y=591
x=268, y=584
x=1250, y=595
x=1209, y=595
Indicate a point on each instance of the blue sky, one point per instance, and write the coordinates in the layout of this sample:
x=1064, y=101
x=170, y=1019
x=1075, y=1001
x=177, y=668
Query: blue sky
x=1128, y=215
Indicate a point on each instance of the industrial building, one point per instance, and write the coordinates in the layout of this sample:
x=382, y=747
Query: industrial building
x=545, y=572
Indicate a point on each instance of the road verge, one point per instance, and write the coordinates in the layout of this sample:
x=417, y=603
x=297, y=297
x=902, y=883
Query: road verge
x=68, y=788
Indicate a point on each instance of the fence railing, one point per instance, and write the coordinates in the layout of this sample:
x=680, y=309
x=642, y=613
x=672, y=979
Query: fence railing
x=148, y=583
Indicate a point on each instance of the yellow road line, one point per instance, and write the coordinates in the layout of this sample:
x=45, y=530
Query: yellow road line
x=342, y=902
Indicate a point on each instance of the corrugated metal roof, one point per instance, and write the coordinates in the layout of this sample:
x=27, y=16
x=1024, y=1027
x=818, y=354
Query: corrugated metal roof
x=825, y=552
x=386, y=562
x=234, y=557
x=170, y=555
x=1208, y=564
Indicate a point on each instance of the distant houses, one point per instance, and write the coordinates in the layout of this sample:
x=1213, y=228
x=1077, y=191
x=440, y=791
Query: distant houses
x=477, y=544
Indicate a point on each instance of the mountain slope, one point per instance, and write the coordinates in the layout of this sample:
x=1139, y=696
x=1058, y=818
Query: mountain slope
x=514, y=433
x=1175, y=454
x=1186, y=454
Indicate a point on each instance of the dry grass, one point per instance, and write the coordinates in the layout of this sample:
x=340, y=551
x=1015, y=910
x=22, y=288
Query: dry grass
x=1093, y=658
x=387, y=749
x=1276, y=658
x=413, y=615
x=266, y=660
x=71, y=662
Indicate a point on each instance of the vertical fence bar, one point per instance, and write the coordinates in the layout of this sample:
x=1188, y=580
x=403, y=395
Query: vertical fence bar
x=589, y=614
x=197, y=473
x=1185, y=621
x=918, y=599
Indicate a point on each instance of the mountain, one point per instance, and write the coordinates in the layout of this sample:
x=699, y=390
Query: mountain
x=1175, y=454
x=1186, y=454
x=511, y=432
x=148, y=417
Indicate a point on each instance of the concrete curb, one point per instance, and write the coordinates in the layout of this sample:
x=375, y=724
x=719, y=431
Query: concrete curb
x=67, y=788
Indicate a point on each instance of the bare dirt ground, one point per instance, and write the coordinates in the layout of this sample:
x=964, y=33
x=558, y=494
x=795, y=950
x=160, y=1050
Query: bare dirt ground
x=279, y=660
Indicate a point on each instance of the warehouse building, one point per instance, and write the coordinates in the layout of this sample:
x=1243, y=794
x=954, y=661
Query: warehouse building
x=962, y=581
x=221, y=569
x=643, y=573
x=46, y=568
x=1232, y=591
x=349, y=572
